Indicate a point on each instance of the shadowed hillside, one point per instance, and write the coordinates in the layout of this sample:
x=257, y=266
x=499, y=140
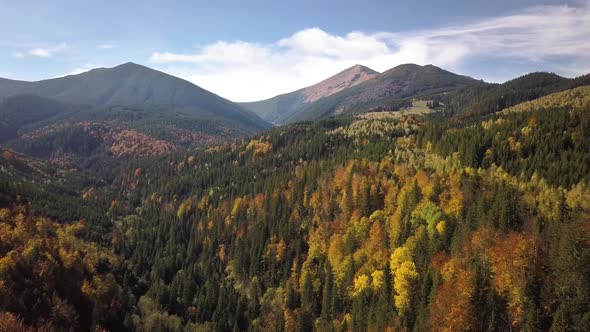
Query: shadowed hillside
x=135, y=86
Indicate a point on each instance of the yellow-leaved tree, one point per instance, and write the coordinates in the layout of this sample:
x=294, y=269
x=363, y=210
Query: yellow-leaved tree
x=403, y=284
x=404, y=275
x=511, y=257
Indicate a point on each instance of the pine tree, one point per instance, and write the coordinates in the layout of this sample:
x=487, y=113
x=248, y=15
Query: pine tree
x=327, y=294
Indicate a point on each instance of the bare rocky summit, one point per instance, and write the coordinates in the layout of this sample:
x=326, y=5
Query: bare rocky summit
x=345, y=79
x=277, y=109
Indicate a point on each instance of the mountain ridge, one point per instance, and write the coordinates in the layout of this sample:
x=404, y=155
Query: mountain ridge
x=282, y=106
x=385, y=90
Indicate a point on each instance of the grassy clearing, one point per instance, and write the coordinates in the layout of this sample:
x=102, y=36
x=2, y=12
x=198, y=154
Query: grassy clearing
x=418, y=107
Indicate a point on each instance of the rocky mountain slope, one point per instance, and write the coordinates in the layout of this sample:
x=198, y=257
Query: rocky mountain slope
x=281, y=107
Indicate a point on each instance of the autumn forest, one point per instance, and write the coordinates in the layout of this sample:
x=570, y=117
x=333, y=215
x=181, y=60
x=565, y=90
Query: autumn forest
x=459, y=218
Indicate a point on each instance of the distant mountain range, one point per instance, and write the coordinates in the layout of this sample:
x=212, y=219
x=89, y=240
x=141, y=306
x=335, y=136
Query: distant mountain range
x=134, y=110
x=358, y=89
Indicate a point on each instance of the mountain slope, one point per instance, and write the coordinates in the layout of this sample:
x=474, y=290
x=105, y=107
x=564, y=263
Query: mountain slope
x=18, y=111
x=486, y=98
x=126, y=110
x=136, y=86
x=283, y=106
x=546, y=137
x=394, y=85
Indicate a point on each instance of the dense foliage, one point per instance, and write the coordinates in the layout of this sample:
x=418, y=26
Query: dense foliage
x=50, y=279
x=547, y=137
x=401, y=222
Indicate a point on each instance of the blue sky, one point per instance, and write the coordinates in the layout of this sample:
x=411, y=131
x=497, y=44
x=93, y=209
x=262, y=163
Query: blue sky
x=249, y=50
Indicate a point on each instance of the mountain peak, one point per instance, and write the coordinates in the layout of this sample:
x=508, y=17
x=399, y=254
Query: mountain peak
x=129, y=65
x=121, y=70
x=345, y=79
x=409, y=66
x=132, y=66
x=415, y=69
x=358, y=68
x=135, y=86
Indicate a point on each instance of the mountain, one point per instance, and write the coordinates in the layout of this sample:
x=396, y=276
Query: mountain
x=385, y=91
x=359, y=89
x=135, y=86
x=125, y=110
x=281, y=107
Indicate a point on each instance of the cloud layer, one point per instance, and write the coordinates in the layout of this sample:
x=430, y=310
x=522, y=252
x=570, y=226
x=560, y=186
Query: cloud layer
x=553, y=37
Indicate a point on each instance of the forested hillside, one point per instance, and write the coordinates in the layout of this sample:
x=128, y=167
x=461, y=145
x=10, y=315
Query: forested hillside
x=485, y=98
x=128, y=110
x=384, y=221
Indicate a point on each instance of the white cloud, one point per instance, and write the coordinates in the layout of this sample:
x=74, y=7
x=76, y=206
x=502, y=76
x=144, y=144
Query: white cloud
x=104, y=46
x=80, y=70
x=40, y=52
x=77, y=71
x=46, y=52
x=18, y=55
x=250, y=71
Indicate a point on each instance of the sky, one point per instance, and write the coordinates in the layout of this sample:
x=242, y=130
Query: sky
x=253, y=50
